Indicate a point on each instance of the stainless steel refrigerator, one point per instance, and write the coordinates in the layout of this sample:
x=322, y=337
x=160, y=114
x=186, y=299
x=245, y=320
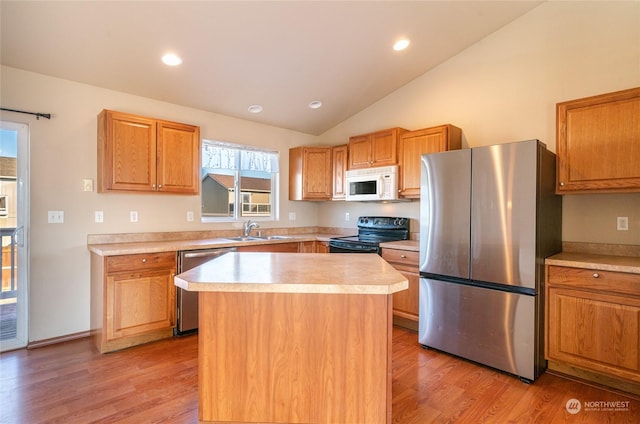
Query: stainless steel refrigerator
x=488, y=218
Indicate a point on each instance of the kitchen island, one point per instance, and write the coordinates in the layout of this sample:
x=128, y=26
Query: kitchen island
x=294, y=338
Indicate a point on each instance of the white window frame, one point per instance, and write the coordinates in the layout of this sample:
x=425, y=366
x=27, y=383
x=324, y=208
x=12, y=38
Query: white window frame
x=238, y=172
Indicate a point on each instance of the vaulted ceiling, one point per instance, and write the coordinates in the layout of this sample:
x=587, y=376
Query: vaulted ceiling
x=281, y=55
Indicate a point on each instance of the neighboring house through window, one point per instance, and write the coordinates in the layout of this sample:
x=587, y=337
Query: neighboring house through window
x=238, y=175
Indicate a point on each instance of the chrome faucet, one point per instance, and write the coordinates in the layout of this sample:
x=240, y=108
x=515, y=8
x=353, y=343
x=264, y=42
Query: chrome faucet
x=248, y=226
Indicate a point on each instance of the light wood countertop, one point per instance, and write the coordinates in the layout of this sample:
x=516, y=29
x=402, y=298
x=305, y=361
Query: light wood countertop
x=132, y=248
x=338, y=273
x=629, y=264
x=413, y=245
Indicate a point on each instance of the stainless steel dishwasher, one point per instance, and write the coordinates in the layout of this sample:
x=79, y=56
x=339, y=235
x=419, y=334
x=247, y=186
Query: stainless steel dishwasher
x=188, y=301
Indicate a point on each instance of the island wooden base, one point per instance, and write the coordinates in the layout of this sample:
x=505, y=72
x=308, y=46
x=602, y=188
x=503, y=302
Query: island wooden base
x=294, y=358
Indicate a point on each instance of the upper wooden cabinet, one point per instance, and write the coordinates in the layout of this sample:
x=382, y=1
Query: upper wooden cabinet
x=310, y=173
x=413, y=144
x=598, y=143
x=339, y=158
x=374, y=149
x=141, y=154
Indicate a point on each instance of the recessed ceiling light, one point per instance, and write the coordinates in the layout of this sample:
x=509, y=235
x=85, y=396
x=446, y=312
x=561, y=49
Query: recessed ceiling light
x=401, y=44
x=171, y=59
x=255, y=109
x=315, y=104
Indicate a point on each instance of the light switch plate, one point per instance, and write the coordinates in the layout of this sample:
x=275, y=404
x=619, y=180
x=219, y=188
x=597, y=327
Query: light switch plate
x=292, y=216
x=99, y=216
x=133, y=216
x=55, y=217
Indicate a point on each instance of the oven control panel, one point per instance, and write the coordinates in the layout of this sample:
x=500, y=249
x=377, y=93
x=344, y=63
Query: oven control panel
x=383, y=222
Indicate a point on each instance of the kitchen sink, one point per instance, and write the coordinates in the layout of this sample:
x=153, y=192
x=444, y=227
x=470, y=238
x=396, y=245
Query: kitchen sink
x=257, y=238
x=244, y=238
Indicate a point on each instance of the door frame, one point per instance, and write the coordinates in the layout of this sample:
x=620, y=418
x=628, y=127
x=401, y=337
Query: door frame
x=22, y=236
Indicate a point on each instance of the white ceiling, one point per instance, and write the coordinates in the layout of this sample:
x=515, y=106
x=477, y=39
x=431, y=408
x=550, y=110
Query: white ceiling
x=281, y=55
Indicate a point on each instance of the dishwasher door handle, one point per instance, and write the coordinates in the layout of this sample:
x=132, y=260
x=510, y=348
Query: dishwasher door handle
x=212, y=253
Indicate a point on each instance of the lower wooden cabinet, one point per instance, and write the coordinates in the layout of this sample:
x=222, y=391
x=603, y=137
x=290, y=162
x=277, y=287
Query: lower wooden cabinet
x=292, y=247
x=314, y=247
x=133, y=299
x=593, y=325
x=321, y=246
x=405, y=302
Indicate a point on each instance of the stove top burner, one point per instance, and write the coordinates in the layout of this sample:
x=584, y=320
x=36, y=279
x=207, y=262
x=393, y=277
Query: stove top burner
x=371, y=232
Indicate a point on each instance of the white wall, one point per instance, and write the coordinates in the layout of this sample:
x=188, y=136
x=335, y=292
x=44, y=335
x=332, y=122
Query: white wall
x=64, y=151
x=505, y=88
x=502, y=89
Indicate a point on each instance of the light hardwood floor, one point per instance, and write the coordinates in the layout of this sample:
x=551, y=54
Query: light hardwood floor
x=157, y=383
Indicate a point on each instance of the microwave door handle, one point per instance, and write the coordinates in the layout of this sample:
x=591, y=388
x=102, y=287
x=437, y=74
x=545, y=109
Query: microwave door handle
x=381, y=187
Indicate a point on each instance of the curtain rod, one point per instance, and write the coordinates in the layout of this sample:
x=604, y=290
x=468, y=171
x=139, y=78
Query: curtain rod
x=37, y=114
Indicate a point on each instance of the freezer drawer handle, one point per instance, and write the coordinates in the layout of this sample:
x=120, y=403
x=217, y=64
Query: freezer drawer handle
x=596, y=275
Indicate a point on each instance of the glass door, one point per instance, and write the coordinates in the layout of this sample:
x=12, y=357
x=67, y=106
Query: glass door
x=14, y=222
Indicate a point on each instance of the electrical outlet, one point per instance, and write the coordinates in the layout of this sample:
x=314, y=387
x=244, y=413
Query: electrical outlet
x=347, y=217
x=622, y=223
x=292, y=216
x=55, y=217
x=87, y=184
x=133, y=216
x=190, y=216
x=99, y=216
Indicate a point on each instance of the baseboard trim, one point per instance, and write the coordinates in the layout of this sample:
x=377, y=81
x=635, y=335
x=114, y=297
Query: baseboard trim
x=57, y=340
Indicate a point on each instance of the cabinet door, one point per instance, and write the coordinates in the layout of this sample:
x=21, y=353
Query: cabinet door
x=595, y=331
x=321, y=247
x=307, y=247
x=405, y=302
x=599, y=143
x=359, y=152
x=317, y=173
x=310, y=173
x=139, y=303
x=384, y=145
x=414, y=144
x=339, y=167
x=126, y=152
x=273, y=247
x=178, y=158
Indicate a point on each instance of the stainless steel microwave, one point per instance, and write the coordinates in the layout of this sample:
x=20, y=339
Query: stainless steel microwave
x=372, y=184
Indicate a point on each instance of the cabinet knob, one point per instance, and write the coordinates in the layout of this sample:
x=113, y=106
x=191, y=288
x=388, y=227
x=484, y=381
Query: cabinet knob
x=159, y=186
x=561, y=184
x=403, y=256
x=144, y=260
x=596, y=275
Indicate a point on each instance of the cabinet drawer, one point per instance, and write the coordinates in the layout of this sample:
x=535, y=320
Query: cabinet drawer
x=142, y=261
x=609, y=281
x=405, y=257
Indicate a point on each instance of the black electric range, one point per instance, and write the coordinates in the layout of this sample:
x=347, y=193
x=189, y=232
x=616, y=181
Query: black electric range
x=372, y=230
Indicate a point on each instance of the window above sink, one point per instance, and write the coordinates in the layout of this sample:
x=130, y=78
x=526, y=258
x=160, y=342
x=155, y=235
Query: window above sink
x=238, y=182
